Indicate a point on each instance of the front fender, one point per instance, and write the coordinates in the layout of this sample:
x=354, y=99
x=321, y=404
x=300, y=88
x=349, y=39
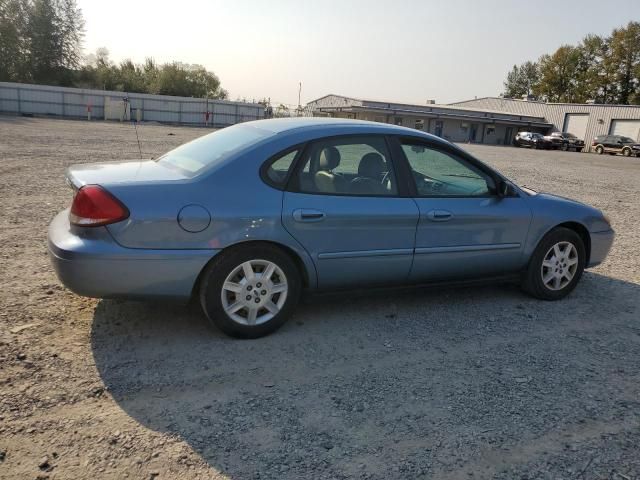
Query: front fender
x=549, y=211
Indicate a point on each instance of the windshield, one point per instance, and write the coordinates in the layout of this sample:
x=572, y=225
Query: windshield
x=204, y=152
x=536, y=135
x=570, y=135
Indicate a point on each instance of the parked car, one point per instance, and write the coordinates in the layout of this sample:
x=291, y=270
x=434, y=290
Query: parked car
x=616, y=144
x=249, y=216
x=565, y=141
x=531, y=139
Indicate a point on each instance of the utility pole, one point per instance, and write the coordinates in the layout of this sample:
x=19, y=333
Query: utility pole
x=299, y=93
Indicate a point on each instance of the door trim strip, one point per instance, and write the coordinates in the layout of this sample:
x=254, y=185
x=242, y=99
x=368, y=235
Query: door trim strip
x=365, y=253
x=467, y=248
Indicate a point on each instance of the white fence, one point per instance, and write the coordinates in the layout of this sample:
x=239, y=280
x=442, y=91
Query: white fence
x=24, y=99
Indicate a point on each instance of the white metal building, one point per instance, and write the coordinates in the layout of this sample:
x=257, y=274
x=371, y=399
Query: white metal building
x=490, y=120
x=457, y=124
x=585, y=121
x=25, y=99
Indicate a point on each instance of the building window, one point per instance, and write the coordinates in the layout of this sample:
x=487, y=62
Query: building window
x=464, y=127
x=419, y=124
x=491, y=129
x=379, y=119
x=397, y=121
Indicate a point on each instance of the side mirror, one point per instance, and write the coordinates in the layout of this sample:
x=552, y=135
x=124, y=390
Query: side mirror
x=504, y=189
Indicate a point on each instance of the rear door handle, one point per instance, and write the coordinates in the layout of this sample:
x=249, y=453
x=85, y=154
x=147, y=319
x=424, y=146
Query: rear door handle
x=308, y=215
x=439, y=215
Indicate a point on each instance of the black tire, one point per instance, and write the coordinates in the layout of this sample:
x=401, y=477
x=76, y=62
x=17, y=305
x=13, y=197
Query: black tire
x=223, y=265
x=564, y=147
x=533, y=282
x=626, y=152
x=599, y=150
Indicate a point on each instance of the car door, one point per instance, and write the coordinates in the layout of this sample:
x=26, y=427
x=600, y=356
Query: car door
x=465, y=229
x=343, y=204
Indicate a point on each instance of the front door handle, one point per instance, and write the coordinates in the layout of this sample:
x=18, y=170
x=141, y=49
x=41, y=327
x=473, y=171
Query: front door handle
x=308, y=215
x=439, y=215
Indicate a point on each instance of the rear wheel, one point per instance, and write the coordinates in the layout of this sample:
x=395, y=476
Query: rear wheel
x=250, y=291
x=626, y=152
x=556, y=265
x=599, y=150
x=564, y=147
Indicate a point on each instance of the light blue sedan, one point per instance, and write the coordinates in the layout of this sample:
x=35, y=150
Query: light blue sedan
x=248, y=217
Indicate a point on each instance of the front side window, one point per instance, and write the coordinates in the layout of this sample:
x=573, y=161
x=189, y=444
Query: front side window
x=348, y=166
x=438, y=173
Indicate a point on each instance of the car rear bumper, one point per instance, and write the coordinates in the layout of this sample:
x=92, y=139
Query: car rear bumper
x=89, y=262
x=600, y=245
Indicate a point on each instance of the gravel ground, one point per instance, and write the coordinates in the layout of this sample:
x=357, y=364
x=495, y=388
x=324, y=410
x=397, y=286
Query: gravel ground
x=460, y=383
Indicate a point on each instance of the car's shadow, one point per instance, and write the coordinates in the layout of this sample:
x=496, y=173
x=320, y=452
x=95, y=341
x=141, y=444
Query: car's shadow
x=355, y=385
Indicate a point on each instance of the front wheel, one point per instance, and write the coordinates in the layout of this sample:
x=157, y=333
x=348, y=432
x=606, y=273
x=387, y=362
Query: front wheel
x=626, y=152
x=556, y=265
x=249, y=292
x=599, y=150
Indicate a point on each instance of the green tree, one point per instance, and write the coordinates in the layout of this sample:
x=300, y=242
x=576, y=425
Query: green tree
x=594, y=78
x=558, y=76
x=521, y=80
x=187, y=81
x=624, y=61
x=13, y=49
x=54, y=33
x=601, y=69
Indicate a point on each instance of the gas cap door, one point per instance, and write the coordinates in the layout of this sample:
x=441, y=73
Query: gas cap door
x=194, y=218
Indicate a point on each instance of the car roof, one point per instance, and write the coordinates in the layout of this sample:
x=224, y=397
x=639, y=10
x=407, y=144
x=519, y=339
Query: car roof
x=318, y=124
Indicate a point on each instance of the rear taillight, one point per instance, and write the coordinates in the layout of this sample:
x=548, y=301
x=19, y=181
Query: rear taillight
x=93, y=206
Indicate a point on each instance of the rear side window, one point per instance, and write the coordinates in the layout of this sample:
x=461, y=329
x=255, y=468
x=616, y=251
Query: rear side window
x=209, y=150
x=350, y=165
x=277, y=170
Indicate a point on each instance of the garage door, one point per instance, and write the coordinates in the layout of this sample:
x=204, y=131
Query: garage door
x=627, y=128
x=576, y=123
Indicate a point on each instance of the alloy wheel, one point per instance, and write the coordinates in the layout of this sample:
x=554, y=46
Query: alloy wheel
x=254, y=292
x=559, y=265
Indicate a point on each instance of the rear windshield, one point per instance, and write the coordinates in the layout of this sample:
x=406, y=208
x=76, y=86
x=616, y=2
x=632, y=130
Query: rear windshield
x=626, y=140
x=209, y=150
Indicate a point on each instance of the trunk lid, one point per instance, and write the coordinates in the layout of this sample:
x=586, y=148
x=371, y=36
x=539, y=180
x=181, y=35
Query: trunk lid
x=127, y=172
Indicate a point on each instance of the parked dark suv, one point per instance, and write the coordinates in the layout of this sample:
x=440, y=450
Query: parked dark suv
x=531, y=139
x=616, y=144
x=565, y=141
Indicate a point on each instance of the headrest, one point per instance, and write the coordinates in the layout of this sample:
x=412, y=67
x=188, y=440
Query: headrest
x=371, y=165
x=329, y=158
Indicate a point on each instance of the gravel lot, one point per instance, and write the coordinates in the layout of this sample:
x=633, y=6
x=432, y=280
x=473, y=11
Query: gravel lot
x=447, y=383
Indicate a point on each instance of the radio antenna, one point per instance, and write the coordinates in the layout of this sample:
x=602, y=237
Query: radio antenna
x=135, y=126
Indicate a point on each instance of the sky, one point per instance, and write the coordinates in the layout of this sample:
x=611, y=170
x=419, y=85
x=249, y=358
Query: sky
x=400, y=50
